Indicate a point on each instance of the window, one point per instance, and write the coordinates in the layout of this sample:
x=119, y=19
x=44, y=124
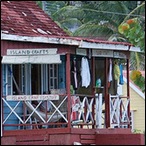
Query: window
x=53, y=76
x=29, y=78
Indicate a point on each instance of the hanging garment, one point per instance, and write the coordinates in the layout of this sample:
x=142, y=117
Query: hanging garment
x=121, y=80
x=116, y=72
x=74, y=80
x=110, y=78
x=85, y=72
x=75, y=103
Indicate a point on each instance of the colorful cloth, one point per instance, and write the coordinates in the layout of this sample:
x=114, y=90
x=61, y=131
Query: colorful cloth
x=121, y=80
x=74, y=78
x=116, y=72
x=110, y=78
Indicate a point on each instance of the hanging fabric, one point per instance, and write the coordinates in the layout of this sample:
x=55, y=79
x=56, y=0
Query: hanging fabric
x=110, y=78
x=121, y=80
x=74, y=76
x=75, y=103
x=85, y=72
x=116, y=71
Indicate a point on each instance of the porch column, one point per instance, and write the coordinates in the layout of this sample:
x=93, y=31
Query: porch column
x=68, y=81
x=128, y=90
x=107, y=102
x=93, y=86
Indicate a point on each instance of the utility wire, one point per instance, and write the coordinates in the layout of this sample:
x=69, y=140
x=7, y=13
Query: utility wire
x=112, y=12
x=117, y=13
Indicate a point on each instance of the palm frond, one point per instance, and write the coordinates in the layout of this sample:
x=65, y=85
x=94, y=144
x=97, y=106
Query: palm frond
x=93, y=30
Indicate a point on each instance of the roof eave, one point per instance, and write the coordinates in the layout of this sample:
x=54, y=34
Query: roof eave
x=80, y=43
x=52, y=40
x=108, y=46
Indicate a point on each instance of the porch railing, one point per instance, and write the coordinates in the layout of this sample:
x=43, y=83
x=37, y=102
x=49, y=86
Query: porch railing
x=22, y=114
x=119, y=111
x=86, y=112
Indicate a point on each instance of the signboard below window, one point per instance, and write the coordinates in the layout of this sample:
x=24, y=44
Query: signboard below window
x=32, y=97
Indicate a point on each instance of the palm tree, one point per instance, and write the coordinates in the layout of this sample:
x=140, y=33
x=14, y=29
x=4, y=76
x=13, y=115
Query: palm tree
x=98, y=19
x=137, y=37
x=91, y=19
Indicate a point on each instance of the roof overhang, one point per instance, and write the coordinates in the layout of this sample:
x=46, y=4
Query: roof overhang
x=79, y=42
x=52, y=40
x=103, y=46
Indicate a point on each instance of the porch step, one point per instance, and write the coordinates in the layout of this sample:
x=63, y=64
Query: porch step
x=87, y=139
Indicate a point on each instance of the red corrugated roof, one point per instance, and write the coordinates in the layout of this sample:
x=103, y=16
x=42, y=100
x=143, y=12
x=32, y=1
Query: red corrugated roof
x=25, y=18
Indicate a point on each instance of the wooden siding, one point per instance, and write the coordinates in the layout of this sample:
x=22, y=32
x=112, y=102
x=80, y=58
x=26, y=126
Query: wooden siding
x=55, y=136
x=29, y=45
x=69, y=136
x=138, y=105
x=120, y=139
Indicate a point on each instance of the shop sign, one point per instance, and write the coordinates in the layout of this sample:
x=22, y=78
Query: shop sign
x=32, y=97
x=27, y=52
x=102, y=53
x=81, y=52
x=119, y=55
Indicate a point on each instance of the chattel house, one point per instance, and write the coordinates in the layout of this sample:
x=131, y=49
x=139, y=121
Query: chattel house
x=57, y=89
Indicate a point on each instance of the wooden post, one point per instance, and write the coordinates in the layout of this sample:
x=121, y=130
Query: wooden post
x=128, y=90
x=93, y=85
x=107, y=104
x=68, y=81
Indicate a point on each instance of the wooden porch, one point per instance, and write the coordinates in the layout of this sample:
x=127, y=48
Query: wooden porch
x=86, y=112
x=88, y=129
x=68, y=136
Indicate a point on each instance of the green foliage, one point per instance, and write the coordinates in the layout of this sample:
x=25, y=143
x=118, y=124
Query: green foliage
x=133, y=31
x=39, y=3
x=140, y=82
x=100, y=19
x=138, y=79
x=93, y=30
x=136, y=131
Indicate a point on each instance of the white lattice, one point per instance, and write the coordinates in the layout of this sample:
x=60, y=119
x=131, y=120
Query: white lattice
x=34, y=112
x=98, y=103
x=118, y=110
x=85, y=110
x=124, y=107
x=114, y=110
x=12, y=111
